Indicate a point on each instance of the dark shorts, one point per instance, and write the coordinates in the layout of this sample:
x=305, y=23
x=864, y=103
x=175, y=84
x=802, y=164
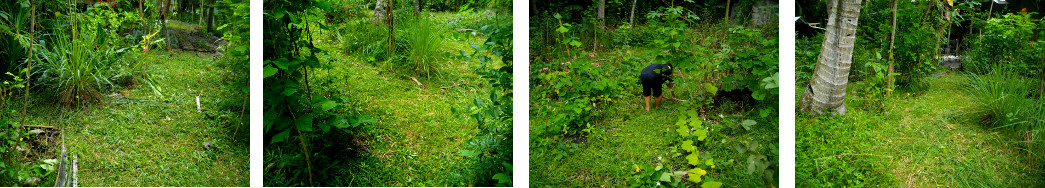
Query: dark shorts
x=651, y=86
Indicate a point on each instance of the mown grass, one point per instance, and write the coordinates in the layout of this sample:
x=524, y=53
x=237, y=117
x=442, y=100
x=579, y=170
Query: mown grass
x=417, y=140
x=627, y=135
x=136, y=138
x=923, y=138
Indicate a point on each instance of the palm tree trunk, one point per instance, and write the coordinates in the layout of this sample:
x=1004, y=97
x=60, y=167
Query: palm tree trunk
x=826, y=89
x=632, y=19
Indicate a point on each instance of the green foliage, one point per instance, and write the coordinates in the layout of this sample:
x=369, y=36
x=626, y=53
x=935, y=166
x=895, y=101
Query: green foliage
x=1006, y=43
x=291, y=108
x=361, y=38
x=491, y=148
x=425, y=39
x=78, y=67
x=692, y=138
x=821, y=162
x=1004, y=101
x=237, y=32
x=915, y=46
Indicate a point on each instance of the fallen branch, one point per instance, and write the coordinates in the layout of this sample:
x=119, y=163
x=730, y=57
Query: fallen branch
x=418, y=83
x=40, y=126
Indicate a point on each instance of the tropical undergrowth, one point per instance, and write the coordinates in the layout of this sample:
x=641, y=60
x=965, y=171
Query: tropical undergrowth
x=579, y=88
x=1006, y=101
x=305, y=131
x=491, y=147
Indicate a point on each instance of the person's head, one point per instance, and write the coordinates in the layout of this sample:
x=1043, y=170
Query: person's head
x=667, y=72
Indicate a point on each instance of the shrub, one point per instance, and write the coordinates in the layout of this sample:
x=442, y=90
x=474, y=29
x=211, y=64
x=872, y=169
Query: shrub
x=1006, y=43
x=78, y=67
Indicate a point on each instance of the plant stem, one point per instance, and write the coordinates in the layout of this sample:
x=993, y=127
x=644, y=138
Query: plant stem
x=29, y=65
x=301, y=137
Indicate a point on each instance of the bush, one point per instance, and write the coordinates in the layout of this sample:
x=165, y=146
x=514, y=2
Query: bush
x=1006, y=43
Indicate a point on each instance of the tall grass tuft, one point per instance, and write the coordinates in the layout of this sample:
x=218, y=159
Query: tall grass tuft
x=425, y=39
x=1004, y=101
x=77, y=67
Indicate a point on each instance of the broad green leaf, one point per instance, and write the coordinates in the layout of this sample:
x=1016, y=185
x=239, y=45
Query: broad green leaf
x=304, y=123
x=269, y=71
x=748, y=123
x=342, y=123
x=469, y=153
x=688, y=145
x=575, y=43
x=696, y=123
x=323, y=5
x=327, y=105
x=562, y=29
x=693, y=158
x=503, y=179
x=710, y=88
x=665, y=177
x=710, y=162
x=281, y=136
x=701, y=134
x=694, y=174
x=711, y=184
x=683, y=130
x=289, y=91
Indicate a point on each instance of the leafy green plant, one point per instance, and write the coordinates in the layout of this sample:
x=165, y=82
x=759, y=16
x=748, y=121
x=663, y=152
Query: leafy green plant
x=291, y=108
x=1006, y=43
x=491, y=148
x=78, y=67
x=692, y=135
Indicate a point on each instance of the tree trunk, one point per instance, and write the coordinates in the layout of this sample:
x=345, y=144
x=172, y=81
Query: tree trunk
x=380, y=11
x=892, y=39
x=164, y=12
x=632, y=19
x=826, y=89
x=602, y=14
x=210, y=15
x=727, y=10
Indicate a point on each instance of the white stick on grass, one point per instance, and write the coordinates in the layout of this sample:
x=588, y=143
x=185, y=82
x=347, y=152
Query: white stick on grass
x=198, y=108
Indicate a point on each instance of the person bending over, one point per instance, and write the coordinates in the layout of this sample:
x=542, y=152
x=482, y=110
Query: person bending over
x=652, y=77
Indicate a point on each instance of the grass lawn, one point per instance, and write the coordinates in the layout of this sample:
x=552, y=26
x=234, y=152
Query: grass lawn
x=629, y=136
x=921, y=139
x=417, y=140
x=136, y=138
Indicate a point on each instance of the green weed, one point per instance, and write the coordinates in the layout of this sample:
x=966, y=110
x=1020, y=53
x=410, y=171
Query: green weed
x=425, y=39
